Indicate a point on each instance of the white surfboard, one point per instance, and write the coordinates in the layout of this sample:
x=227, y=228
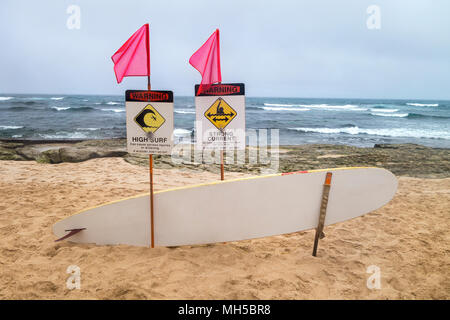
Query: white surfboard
x=233, y=210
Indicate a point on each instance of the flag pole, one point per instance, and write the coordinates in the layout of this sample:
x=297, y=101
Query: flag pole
x=222, y=175
x=222, y=171
x=150, y=162
x=150, y=156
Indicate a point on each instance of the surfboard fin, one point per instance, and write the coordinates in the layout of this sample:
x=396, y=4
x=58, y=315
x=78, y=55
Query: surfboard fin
x=71, y=233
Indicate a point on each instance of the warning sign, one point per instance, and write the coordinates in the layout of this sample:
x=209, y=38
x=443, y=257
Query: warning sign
x=149, y=121
x=220, y=113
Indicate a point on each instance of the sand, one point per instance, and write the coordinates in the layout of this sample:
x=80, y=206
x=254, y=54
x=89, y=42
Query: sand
x=408, y=239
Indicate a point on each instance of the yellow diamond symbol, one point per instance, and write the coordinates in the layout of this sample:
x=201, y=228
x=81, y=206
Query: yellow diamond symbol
x=149, y=119
x=220, y=114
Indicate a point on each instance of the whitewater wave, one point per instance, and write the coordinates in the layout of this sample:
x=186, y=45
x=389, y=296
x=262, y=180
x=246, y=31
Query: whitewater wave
x=10, y=127
x=114, y=110
x=57, y=98
x=88, y=129
x=392, y=132
x=60, y=108
x=397, y=115
x=350, y=107
x=383, y=110
x=184, y=111
x=284, y=109
x=6, y=98
x=64, y=135
x=113, y=103
x=282, y=105
x=349, y=130
x=347, y=107
x=181, y=132
x=72, y=109
x=423, y=104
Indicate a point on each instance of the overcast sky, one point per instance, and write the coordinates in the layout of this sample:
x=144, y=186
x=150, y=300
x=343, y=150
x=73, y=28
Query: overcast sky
x=277, y=48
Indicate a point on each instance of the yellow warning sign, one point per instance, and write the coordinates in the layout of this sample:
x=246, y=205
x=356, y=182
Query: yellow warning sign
x=149, y=119
x=220, y=114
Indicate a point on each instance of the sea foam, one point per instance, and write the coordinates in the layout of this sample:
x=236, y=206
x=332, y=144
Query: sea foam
x=423, y=104
x=397, y=115
x=392, y=132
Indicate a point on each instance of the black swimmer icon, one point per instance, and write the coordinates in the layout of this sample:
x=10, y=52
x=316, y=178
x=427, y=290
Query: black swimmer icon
x=220, y=113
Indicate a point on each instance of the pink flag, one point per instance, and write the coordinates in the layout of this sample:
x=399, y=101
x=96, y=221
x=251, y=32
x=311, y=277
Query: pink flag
x=207, y=61
x=133, y=57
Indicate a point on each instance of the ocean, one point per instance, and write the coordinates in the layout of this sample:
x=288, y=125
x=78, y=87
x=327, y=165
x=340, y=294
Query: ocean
x=356, y=122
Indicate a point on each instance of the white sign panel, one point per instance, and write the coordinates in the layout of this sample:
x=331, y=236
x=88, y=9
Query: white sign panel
x=220, y=114
x=149, y=121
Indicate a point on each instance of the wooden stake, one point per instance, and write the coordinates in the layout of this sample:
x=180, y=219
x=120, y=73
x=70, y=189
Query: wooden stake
x=323, y=212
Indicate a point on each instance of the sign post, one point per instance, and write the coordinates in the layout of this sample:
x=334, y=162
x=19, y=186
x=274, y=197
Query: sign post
x=149, y=130
x=220, y=114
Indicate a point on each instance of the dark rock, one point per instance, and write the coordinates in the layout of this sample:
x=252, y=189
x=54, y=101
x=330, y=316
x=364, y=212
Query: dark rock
x=402, y=159
x=49, y=156
x=9, y=154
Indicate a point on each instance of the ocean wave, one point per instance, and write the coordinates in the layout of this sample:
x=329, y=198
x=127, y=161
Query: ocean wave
x=419, y=115
x=392, y=132
x=19, y=108
x=383, y=110
x=397, y=115
x=114, y=110
x=72, y=109
x=282, y=105
x=184, y=111
x=10, y=127
x=347, y=107
x=350, y=107
x=88, y=129
x=60, y=108
x=284, y=109
x=181, y=132
x=64, y=135
x=6, y=98
x=112, y=103
x=349, y=130
x=57, y=98
x=423, y=104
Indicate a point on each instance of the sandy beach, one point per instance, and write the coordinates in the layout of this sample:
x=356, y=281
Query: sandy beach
x=408, y=239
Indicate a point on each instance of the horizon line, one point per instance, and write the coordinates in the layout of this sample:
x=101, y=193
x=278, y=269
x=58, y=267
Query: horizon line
x=270, y=97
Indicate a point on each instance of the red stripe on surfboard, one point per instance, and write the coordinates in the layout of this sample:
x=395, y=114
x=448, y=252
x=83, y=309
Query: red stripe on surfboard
x=71, y=233
x=286, y=173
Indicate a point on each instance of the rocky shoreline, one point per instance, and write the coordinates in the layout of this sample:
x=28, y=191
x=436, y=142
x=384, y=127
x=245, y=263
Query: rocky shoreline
x=402, y=159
